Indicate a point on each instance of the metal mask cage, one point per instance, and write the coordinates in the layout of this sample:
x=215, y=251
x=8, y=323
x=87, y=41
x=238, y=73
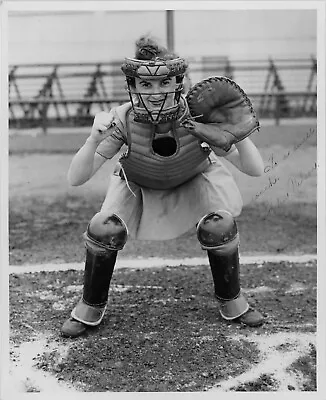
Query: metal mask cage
x=154, y=69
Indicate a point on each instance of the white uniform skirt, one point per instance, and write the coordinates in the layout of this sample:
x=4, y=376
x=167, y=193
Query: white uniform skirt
x=152, y=214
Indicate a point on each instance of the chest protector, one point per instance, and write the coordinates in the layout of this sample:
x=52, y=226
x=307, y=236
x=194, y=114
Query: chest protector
x=162, y=156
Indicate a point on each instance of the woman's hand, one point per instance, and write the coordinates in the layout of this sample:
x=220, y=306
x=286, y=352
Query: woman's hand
x=210, y=133
x=103, y=126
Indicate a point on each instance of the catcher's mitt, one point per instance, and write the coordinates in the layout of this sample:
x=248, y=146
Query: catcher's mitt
x=223, y=112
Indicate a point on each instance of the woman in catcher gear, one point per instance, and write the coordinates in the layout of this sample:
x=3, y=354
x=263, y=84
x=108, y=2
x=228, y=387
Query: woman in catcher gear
x=170, y=179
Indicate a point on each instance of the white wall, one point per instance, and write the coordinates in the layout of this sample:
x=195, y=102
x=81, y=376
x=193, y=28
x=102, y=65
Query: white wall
x=106, y=36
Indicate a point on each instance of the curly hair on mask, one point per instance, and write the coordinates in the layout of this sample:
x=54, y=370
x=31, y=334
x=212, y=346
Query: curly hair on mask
x=148, y=48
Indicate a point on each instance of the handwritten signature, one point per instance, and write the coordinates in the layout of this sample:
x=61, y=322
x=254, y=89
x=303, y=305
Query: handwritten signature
x=273, y=164
x=293, y=185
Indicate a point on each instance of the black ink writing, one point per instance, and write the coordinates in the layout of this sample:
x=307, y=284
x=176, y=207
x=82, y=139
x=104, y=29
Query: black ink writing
x=272, y=163
x=271, y=182
x=294, y=184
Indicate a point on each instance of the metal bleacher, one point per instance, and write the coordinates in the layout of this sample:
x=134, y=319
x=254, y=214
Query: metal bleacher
x=71, y=94
x=277, y=88
x=66, y=90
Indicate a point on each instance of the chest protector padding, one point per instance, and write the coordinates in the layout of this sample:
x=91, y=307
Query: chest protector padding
x=149, y=169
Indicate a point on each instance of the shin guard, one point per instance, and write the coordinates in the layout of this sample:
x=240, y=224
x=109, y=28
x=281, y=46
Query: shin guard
x=226, y=277
x=217, y=233
x=97, y=277
x=104, y=237
x=225, y=272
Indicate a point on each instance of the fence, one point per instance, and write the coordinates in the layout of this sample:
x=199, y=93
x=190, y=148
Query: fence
x=71, y=94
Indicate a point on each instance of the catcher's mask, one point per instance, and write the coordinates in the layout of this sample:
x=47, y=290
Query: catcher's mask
x=154, y=70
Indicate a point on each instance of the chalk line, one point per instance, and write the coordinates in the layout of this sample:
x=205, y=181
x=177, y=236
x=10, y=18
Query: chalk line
x=142, y=263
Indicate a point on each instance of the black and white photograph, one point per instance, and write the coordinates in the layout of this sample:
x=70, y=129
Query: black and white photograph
x=163, y=197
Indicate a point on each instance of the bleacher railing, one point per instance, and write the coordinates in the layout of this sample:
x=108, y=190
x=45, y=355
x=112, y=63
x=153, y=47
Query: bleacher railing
x=71, y=94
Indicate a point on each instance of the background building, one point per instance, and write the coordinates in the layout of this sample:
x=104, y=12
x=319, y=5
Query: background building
x=104, y=36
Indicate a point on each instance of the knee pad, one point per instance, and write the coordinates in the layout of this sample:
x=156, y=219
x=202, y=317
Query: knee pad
x=218, y=231
x=106, y=233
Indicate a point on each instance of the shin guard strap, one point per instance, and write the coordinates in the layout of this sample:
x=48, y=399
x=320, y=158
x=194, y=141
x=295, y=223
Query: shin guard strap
x=232, y=309
x=88, y=315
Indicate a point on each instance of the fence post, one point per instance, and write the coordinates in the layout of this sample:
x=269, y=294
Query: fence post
x=13, y=84
x=45, y=94
x=84, y=108
x=277, y=108
x=281, y=102
x=63, y=98
x=313, y=74
x=264, y=100
x=228, y=69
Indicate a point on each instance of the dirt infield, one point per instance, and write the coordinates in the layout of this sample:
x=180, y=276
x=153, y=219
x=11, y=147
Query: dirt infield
x=162, y=332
